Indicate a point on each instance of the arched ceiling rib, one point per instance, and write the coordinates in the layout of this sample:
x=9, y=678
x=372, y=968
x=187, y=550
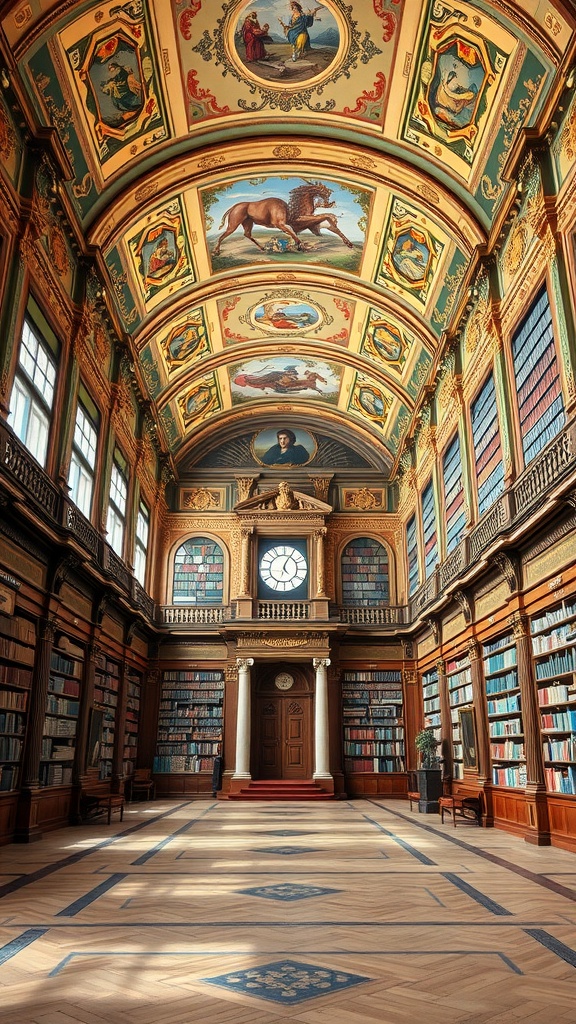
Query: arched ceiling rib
x=371, y=170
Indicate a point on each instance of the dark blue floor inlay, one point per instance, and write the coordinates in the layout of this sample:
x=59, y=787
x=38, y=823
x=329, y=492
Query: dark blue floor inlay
x=287, y=981
x=287, y=832
x=90, y=897
x=287, y=892
x=475, y=894
x=13, y=947
x=554, y=945
x=285, y=851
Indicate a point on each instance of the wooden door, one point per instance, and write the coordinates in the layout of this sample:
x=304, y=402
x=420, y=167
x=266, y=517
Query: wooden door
x=282, y=737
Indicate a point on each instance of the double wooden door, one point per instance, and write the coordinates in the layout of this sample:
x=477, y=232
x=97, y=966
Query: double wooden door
x=283, y=738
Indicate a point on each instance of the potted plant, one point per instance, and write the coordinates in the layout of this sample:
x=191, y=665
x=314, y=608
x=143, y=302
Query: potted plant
x=429, y=774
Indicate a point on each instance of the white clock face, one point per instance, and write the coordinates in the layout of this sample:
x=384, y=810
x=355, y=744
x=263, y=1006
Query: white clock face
x=283, y=568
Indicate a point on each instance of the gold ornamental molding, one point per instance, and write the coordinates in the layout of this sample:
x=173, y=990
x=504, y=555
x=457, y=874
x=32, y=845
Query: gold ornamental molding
x=284, y=641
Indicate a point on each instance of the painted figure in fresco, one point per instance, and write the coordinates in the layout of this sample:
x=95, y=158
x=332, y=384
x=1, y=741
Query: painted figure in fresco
x=299, y=214
x=372, y=402
x=296, y=30
x=282, y=382
x=387, y=342
x=253, y=35
x=454, y=90
x=161, y=259
x=286, y=452
x=275, y=314
x=184, y=344
x=123, y=88
x=410, y=255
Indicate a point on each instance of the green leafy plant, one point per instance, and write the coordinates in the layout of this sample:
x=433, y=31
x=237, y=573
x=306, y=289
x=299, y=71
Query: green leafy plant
x=427, y=745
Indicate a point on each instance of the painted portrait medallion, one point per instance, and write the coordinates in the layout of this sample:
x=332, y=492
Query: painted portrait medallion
x=384, y=342
x=116, y=83
x=284, y=446
x=369, y=400
x=285, y=317
x=186, y=341
x=286, y=43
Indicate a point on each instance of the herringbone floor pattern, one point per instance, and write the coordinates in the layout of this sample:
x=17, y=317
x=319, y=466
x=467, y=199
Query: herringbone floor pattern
x=352, y=912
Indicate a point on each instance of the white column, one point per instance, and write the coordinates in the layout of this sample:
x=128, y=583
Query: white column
x=243, y=720
x=321, y=746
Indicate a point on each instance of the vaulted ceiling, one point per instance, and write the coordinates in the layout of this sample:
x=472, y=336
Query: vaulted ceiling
x=288, y=231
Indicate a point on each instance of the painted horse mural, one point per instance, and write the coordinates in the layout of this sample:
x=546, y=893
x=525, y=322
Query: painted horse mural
x=282, y=382
x=292, y=217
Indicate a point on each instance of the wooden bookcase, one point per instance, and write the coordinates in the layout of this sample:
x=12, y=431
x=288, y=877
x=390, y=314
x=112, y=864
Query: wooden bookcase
x=431, y=703
x=61, y=718
x=190, y=722
x=373, y=714
x=17, y=643
x=133, y=683
x=106, y=687
x=459, y=675
x=554, y=653
x=504, y=713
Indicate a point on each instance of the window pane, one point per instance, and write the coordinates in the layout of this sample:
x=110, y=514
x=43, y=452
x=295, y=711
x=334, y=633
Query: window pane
x=412, y=552
x=141, y=545
x=83, y=461
x=430, y=530
x=33, y=393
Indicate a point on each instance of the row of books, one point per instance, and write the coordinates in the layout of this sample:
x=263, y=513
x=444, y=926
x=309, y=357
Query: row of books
x=508, y=751
x=560, y=750
x=169, y=693
x=561, y=720
x=17, y=699
x=497, y=645
x=506, y=727
x=55, y=775
x=462, y=695
x=504, y=704
x=509, y=776
x=557, y=638
x=495, y=662
x=558, y=693
x=172, y=764
x=556, y=665
x=61, y=706
x=59, y=726
x=10, y=748
x=373, y=749
x=22, y=629
x=375, y=764
x=561, y=780
x=552, y=616
x=170, y=747
x=14, y=676
x=375, y=733
x=170, y=736
x=102, y=696
x=12, y=722
x=196, y=675
x=13, y=651
x=61, y=684
x=8, y=777
x=52, y=751
x=499, y=684
x=58, y=663
x=375, y=676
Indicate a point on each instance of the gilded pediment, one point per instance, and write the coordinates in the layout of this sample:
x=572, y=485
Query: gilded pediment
x=283, y=499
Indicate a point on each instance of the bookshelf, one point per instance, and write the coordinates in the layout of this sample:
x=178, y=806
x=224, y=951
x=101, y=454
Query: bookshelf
x=459, y=676
x=504, y=713
x=190, y=720
x=17, y=644
x=373, y=721
x=554, y=654
x=106, y=687
x=364, y=572
x=133, y=683
x=431, y=702
x=61, y=717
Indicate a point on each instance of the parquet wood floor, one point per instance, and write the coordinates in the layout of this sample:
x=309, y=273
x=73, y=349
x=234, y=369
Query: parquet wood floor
x=351, y=912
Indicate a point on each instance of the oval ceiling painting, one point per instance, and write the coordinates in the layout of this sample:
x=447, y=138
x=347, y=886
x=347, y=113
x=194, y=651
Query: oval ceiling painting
x=286, y=43
x=286, y=317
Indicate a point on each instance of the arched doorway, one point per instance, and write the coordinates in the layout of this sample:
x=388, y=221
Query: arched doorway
x=282, y=723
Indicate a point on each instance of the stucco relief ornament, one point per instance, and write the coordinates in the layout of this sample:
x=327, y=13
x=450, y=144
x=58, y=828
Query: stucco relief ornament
x=363, y=499
x=201, y=499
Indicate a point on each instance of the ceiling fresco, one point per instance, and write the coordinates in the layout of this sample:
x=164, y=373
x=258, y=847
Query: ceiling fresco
x=286, y=199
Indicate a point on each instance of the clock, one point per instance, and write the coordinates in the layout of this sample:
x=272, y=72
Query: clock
x=284, y=681
x=283, y=568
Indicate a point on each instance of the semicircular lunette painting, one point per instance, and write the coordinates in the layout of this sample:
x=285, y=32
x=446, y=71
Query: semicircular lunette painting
x=286, y=42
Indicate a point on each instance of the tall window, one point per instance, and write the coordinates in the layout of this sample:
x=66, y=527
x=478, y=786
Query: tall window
x=116, y=521
x=540, y=403
x=83, y=460
x=412, y=553
x=141, y=543
x=455, y=515
x=33, y=391
x=365, y=578
x=487, y=446
x=430, y=530
x=199, y=572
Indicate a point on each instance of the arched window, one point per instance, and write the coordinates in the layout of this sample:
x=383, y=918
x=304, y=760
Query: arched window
x=365, y=573
x=198, y=572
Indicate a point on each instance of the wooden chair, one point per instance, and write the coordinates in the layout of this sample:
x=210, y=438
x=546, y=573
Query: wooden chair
x=413, y=794
x=97, y=799
x=142, y=782
x=467, y=808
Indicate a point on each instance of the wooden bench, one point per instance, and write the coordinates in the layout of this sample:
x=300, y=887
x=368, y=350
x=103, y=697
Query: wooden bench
x=468, y=808
x=97, y=799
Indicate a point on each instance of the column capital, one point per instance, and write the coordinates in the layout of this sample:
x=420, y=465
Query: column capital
x=246, y=531
x=519, y=623
x=244, y=664
x=474, y=651
x=321, y=662
x=441, y=666
x=321, y=532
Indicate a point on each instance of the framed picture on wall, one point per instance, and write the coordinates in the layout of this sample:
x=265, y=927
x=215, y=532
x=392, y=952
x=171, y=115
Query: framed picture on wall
x=468, y=734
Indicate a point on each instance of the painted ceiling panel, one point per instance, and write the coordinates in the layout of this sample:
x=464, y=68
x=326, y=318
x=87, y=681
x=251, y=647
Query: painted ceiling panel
x=287, y=200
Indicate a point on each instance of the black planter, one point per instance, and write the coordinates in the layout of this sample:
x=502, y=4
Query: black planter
x=430, y=789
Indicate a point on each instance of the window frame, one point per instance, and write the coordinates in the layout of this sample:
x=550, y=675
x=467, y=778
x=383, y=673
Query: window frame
x=28, y=403
x=78, y=456
x=115, y=515
x=490, y=376
x=140, y=548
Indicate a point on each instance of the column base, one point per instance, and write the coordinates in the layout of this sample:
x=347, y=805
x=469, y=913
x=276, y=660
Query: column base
x=325, y=781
